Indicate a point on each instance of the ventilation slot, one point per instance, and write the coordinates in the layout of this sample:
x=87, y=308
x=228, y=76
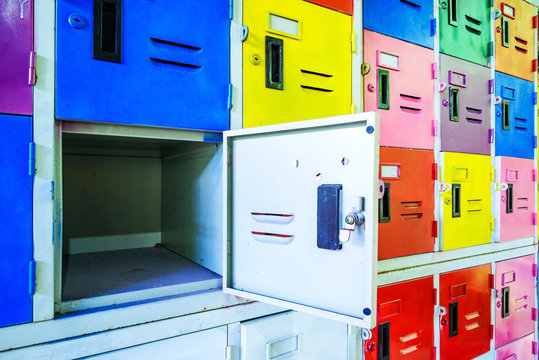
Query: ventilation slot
x=521, y=124
x=415, y=216
x=522, y=50
x=522, y=41
x=411, y=98
x=473, y=31
x=316, y=73
x=472, y=20
x=522, y=208
x=523, y=199
x=411, y=204
x=474, y=111
x=175, y=63
x=280, y=239
x=166, y=42
x=316, y=88
x=474, y=121
x=410, y=110
x=407, y=2
x=272, y=218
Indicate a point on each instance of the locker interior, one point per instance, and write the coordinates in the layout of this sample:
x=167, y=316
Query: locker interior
x=139, y=214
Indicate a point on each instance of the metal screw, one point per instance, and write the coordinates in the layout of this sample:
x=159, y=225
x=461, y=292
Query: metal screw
x=349, y=219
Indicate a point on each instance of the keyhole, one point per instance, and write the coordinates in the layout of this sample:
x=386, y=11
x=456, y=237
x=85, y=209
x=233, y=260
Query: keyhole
x=344, y=161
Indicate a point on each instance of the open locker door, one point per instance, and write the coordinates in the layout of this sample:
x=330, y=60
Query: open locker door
x=301, y=216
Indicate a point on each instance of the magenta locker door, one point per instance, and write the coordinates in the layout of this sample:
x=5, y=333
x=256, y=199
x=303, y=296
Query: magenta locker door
x=17, y=59
x=522, y=349
x=399, y=85
x=465, y=97
x=515, y=299
x=516, y=212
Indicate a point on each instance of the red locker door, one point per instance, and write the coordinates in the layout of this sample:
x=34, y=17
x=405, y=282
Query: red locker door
x=406, y=212
x=465, y=328
x=405, y=328
x=344, y=6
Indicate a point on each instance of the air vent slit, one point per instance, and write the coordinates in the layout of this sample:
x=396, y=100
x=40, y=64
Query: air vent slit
x=522, y=50
x=411, y=98
x=474, y=110
x=315, y=88
x=166, y=42
x=474, y=121
x=316, y=73
x=473, y=20
x=170, y=62
x=410, y=110
x=522, y=41
x=472, y=30
x=407, y=2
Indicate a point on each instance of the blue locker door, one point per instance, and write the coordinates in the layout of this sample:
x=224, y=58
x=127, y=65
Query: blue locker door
x=159, y=63
x=15, y=220
x=405, y=20
x=515, y=126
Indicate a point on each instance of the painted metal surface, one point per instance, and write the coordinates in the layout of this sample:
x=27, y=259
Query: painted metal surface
x=521, y=349
x=515, y=36
x=465, y=30
x=293, y=336
x=516, y=205
x=515, y=299
x=406, y=211
x=465, y=99
x=158, y=64
x=297, y=62
x=16, y=220
x=400, y=86
x=465, y=328
x=466, y=200
x=405, y=329
x=405, y=20
x=514, y=124
x=344, y=6
x=17, y=62
x=278, y=225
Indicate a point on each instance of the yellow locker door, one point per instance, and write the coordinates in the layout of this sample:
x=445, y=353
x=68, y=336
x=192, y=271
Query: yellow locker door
x=467, y=212
x=297, y=62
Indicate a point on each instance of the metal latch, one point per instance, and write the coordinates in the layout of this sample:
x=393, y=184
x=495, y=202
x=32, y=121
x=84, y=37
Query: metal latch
x=352, y=220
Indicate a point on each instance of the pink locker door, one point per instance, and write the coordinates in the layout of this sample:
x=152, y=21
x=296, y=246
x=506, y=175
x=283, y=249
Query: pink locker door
x=400, y=86
x=17, y=60
x=515, y=299
x=521, y=349
x=517, y=202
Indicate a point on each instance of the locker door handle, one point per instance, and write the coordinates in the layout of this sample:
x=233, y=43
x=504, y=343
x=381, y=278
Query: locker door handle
x=456, y=201
x=274, y=63
x=383, y=341
x=505, y=115
x=454, y=104
x=282, y=347
x=452, y=17
x=383, y=89
x=509, y=199
x=384, y=205
x=453, y=319
x=505, y=32
x=505, y=302
x=108, y=30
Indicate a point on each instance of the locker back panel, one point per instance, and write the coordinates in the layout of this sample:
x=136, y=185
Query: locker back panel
x=399, y=86
x=514, y=117
x=514, y=310
x=465, y=30
x=465, y=118
x=515, y=37
x=466, y=211
x=161, y=63
x=344, y=6
x=405, y=20
x=521, y=349
x=406, y=320
x=15, y=220
x=408, y=229
x=297, y=62
x=467, y=293
x=16, y=42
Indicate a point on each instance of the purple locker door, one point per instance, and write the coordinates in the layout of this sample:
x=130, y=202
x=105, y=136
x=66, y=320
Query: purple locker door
x=17, y=59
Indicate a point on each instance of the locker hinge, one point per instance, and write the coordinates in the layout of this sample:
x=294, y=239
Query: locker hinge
x=491, y=282
x=434, y=171
x=353, y=108
x=534, y=218
x=534, y=348
x=435, y=229
x=434, y=70
x=231, y=9
x=490, y=136
x=432, y=27
x=434, y=353
x=229, y=99
x=492, y=173
x=434, y=128
x=534, y=141
x=32, y=159
x=491, y=86
x=534, y=65
x=32, y=68
x=491, y=332
x=534, y=314
x=52, y=190
x=435, y=296
x=491, y=3
x=32, y=277
x=228, y=352
x=534, y=270
x=492, y=223
x=491, y=48
x=353, y=41
x=534, y=22
x=534, y=175
x=534, y=98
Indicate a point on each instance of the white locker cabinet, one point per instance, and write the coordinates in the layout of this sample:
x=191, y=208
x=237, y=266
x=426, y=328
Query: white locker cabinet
x=293, y=336
x=301, y=216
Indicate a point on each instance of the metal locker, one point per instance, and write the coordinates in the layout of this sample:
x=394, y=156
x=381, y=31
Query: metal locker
x=159, y=63
x=465, y=118
x=410, y=20
x=515, y=130
x=294, y=336
x=466, y=200
x=465, y=319
x=522, y=349
x=465, y=30
x=302, y=214
x=18, y=60
x=405, y=329
x=406, y=211
x=516, y=200
x=344, y=6
x=515, y=36
x=516, y=314
x=399, y=84
x=17, y=270
x=297, y=62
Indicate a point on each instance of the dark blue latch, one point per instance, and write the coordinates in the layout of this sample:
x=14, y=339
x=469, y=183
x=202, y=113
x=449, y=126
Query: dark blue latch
x=535, y=142
x=534, y=98
x=32, y=277
x=432, y=27
x=328, y=221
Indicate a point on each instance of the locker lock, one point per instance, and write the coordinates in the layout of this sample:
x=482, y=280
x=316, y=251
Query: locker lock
x=76, y=21
x=256, y=59
x=351, y=220
x=443, y=4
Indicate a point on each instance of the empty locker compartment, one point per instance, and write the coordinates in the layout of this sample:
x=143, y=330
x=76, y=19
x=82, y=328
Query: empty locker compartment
x=344, y=6
x=515, y=199
x=465, y=97
x=522, y=349
x=160, y=63
x=466, y=200
x=465, y=319
x=405, y=329
x=408, y=20
x=297, y=62
x=465, y=30
x=142, y=218
x=406, y=211
x=17, y=268
x=515, y=38
x=514, y=125
x=516, y=314
x=399, y=85
x=18, y=62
